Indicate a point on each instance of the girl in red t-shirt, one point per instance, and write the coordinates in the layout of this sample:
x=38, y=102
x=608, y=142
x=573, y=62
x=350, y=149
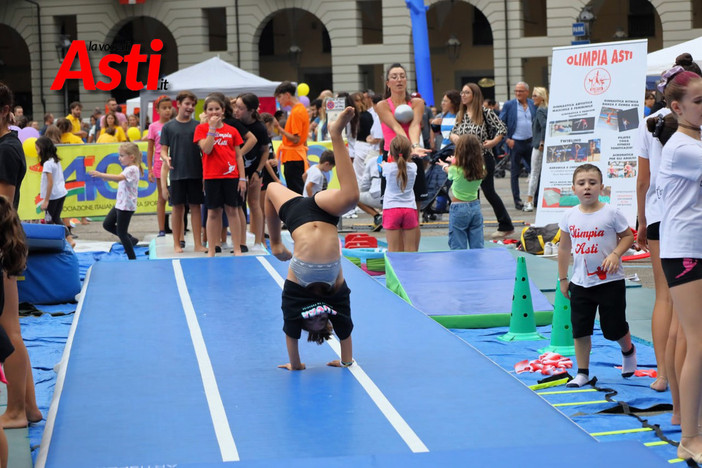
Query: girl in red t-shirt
x=221, y=160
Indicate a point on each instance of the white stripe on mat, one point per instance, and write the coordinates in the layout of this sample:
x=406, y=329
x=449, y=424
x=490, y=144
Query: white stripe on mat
x=223, y=432
x=60, y=379
x=403, y=429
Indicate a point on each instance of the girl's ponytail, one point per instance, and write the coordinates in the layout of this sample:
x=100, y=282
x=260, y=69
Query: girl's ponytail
x=400, y=148
x=402, y=172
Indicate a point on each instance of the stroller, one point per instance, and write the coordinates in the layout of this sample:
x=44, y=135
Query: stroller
x=501, y=164
x=437, y=201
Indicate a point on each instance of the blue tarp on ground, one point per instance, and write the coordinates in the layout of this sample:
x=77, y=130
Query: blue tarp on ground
x=605, y=356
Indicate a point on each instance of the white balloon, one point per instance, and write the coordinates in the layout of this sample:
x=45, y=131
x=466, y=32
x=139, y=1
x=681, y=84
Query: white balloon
x=404, y=113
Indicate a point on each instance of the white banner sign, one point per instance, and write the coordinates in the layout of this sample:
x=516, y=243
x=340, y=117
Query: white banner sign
x=595, y=107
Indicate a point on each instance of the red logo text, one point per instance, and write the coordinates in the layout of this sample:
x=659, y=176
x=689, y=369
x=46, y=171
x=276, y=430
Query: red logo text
x=133, y=60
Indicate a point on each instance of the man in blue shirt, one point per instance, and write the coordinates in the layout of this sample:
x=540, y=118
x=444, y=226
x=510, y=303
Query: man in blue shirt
x=517, y=115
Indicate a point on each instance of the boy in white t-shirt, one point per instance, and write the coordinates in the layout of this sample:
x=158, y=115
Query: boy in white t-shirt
x=598, y=235
x=315, y=178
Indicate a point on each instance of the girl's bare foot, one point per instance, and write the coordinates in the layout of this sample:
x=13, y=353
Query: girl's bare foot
x=280, y=252
x=340, y=123
x=675, y=419
x=177, y=249
x=200, y=248
x=13, y=421
x=660, y=384
x=34, y=416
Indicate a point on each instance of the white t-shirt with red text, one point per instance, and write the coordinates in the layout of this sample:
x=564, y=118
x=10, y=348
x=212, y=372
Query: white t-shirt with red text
x=593, y=237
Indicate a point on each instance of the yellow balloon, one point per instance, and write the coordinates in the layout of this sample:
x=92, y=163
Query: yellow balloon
x=144, y=133
x=303, y=89
x=30, y=150
x=133, y=133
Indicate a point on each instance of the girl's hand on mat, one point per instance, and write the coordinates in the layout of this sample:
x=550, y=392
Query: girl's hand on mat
x=290, y=367
x=280, y=252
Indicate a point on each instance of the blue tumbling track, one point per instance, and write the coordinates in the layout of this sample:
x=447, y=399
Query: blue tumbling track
x=174, y=363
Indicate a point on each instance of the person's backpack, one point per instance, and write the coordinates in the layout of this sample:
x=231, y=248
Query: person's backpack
x=534, y=238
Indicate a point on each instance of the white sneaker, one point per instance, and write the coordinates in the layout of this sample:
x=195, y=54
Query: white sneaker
x=528, y=206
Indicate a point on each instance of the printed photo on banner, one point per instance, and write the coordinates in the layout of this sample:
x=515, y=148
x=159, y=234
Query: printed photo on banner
x=572, y=127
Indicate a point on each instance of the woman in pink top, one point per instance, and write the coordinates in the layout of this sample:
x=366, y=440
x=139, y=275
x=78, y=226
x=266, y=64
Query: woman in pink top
x=396, y=94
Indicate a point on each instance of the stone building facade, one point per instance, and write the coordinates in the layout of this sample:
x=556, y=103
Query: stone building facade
x=338, y=44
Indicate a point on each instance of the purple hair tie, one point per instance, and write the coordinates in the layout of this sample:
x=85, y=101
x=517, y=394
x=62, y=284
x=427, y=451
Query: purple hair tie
x=667, y=76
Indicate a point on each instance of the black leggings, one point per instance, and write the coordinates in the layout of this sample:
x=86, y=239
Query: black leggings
x=504, y=222
x=54, y=209
x=117, y=222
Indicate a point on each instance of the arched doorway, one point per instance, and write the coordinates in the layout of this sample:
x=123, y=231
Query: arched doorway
x=142, y=30
x=294, y=45
x=626, y=19
x=460, y=41
x=15, y=69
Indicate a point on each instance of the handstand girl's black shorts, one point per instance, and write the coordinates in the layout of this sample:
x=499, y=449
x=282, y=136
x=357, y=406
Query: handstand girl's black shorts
x=679, y=271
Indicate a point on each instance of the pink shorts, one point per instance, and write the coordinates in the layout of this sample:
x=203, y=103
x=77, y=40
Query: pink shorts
x=400, y=218
x=158, y=162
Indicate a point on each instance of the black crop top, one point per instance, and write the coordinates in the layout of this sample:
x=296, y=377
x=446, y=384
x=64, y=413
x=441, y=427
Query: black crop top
x=301, y=210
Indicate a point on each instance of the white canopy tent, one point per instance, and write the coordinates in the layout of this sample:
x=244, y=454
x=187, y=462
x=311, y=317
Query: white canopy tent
x=659, y=61
x=213, y=74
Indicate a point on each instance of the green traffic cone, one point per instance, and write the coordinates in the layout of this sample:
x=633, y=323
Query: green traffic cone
x=561, y=329
x=522, y=325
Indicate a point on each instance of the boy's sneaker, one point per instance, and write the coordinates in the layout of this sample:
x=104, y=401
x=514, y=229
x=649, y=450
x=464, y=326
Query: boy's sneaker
x=629, y=363
x=580, y=380
x=161, y=233
x=528, y=206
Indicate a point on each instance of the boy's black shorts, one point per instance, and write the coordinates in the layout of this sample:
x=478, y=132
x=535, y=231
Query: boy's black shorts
x=186, y=191
x=611, y=300
x=222, y=192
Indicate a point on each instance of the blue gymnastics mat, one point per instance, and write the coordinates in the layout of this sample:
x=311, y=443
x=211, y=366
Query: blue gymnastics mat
x=185, y=374
x=462, y=288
